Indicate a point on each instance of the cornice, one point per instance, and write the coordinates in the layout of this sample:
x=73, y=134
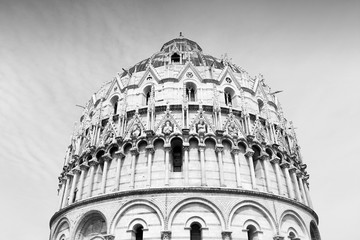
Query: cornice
x=196, y=190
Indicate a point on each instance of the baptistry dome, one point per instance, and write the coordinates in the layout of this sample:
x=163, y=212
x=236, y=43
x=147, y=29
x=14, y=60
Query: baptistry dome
x=184, y=145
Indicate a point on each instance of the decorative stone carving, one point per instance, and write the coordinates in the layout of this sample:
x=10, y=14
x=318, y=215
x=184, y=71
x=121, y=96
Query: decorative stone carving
x=201, y=126
x=168, y=128
x=226, y=235
x=136, y=131
x=165, y=235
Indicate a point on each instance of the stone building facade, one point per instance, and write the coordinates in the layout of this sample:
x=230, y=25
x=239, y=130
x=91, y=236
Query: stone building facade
x=184, y=145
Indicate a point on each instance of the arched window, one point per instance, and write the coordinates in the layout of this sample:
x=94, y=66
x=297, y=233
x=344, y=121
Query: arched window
x=228, y=99
x=114, y=103
x=314, y=232
x=138, y=232
x=229, y=94
x=195, y=231
x=176, y=146
x=291, y=235
x=147, y=98
x=147, y=95
x=191, y=92
x=175, y=58
x=251, y=232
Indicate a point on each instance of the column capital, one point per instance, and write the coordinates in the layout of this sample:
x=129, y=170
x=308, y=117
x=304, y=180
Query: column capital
x=165, y=235
x=292, y=169
x=285, y=165
x=167, y=147
x=186, y=148
x=106, y=157
x=76, y=170
x=84, y=166
x=226, y=235
x=249, y=153
x=202, y=146
x=299, y=174
x=134, y=151
x=235, y=150
x=150, y=149
x=119, y=154
x=93, y=162
x=264, y=156
x=275, y=160
x=219, y=148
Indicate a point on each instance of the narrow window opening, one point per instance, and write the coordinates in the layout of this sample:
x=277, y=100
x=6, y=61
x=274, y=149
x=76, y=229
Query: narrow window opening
x=251, y=232
x=147, y=98
x=260, y=105
x=195, y=231
x=139, y=233
x=175, y=58
x=228, y=98
x=115, y=108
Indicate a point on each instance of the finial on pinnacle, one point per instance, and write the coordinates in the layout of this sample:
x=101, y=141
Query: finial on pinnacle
x=181, y=35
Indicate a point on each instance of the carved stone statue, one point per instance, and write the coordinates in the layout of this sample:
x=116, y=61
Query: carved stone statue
x=232, y=129
x=168, y=128
x=136, y=131
x=201, y=126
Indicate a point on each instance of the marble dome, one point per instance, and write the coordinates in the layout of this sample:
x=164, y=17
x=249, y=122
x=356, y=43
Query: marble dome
x=184, y=145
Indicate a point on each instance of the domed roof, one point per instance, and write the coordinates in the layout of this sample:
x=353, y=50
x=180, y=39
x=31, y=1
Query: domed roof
x=185, y=49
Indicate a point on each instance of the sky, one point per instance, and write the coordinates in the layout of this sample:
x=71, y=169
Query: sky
x=56, y=54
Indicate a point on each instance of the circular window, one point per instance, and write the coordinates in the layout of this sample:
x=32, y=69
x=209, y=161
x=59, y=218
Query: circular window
x=149, y=78
x=189, y=75
x=228, y=79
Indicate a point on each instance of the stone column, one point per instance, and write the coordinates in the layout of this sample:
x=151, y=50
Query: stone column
x=235, y=151
x=150, y=152
x=249, y=155
x=119, y=155
x=76, y=173
x=63, y=182
x=134, y=152
x=93, y=162
x=167, y=149
x=202, y=164
x=219, y=149
x=299, y=175
x=276, y=161
x=186, y=163
x=226, y=235
x=294, y=178
x=83, y=168
x=265, y=162
x=106, y=158
x=65, y=198
x=286, y=166
x=306, y=187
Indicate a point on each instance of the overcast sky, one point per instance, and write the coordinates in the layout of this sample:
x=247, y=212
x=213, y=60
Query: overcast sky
x=55, y=54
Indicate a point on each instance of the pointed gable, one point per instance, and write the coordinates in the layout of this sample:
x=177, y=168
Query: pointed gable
x=228, y=76
x=186, y=72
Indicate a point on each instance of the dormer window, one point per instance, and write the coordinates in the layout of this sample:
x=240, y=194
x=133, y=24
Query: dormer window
x=175, y=58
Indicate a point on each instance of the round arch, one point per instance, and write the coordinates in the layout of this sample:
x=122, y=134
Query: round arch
x=257, y=206
x=58, y=226
x=84, y=220
x=132, y=203
x=297, y=217
x=206, y=203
